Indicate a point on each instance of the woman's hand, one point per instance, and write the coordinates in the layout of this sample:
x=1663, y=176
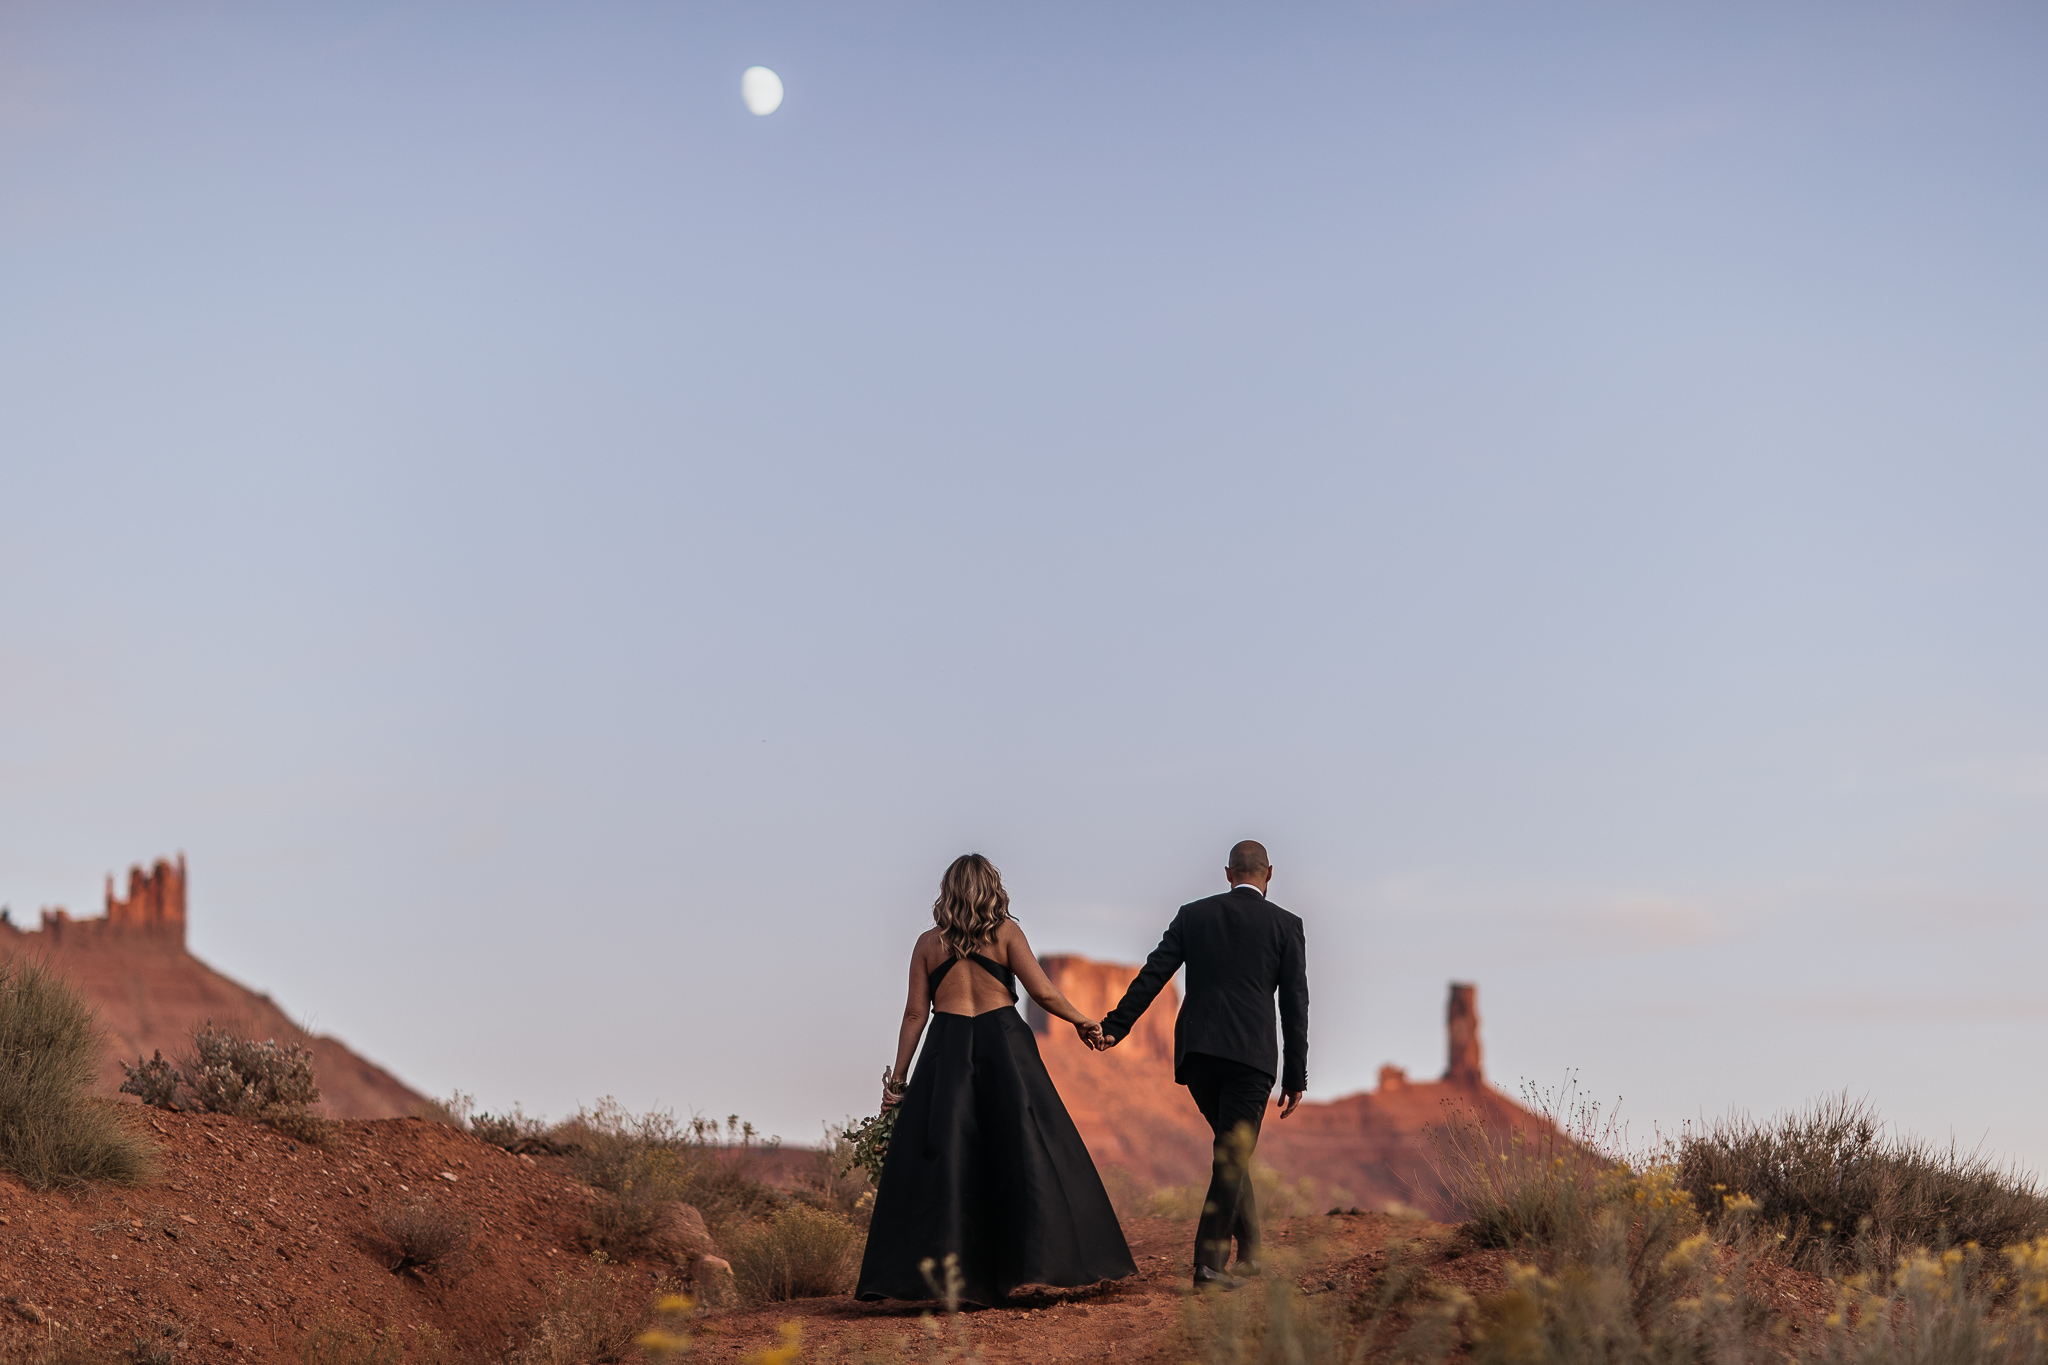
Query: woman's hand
x=892, y=1092
x=1091, y=1034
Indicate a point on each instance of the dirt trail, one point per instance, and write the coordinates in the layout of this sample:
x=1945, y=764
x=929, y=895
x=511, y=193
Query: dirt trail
x=1143, y=1321
x=1140, y=1320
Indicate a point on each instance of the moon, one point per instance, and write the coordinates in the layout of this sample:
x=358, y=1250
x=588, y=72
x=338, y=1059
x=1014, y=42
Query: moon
x=761, y=89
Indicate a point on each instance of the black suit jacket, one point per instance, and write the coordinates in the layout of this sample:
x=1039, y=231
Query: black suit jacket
x=1239, y=949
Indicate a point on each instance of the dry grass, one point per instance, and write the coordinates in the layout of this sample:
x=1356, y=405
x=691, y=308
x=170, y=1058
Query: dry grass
x=1830, y=1177
x=838, y=1183
x=52, y=1130
x=426, y=1236
x=1543, y=1184
x=645, y=1164
x=587, y=1320
x=1964, y=1306
x=798, y=1252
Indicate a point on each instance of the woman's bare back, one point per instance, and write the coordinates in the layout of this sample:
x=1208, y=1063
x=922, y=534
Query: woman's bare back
x=968, y=988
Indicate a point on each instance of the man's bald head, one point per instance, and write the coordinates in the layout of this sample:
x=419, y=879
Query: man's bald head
x=1248, y=855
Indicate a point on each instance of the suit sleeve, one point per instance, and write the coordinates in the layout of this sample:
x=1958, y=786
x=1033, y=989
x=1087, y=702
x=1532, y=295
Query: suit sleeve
x=1294, y=1009
x=1159, y=969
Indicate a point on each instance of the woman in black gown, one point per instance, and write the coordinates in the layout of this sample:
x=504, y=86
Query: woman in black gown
x=984, y=1163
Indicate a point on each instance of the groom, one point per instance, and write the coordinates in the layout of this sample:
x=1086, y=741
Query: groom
x=1239, y=948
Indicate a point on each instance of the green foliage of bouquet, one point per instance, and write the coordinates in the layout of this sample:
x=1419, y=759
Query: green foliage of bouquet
x=869, y=1139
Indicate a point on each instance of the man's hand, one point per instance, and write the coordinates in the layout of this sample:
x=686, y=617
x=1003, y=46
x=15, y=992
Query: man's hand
x=1107, y=1039
x=1287, y=1102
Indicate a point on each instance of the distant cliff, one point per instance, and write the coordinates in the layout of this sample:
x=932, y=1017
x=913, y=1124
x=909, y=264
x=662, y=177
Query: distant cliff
x=132, y=965
x=1370, y=1149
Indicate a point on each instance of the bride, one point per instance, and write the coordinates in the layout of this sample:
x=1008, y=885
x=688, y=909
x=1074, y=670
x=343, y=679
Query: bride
x=984, y=1163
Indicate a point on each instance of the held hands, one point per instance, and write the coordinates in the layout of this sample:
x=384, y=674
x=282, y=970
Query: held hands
x=1094, y=1037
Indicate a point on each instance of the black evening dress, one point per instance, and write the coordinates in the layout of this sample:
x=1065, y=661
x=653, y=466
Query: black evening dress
x=985, y=1164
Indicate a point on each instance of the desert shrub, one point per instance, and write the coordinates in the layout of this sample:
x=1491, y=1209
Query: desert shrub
x=155, y=1082
x=426, y=1236
x=1540, y=1184
x=1963, y=1306
x=228, y=1073
x=1126, y=1195
x=840, y=1182
x=587, y=1320
x=452, y=1112
x=798, y=1252
x=645, y=1164
x=1178, y=1202
x=516, y=1132
x=1607, y=1302
x=53, y=1131
x=300, y=1124
x=1830, y=1174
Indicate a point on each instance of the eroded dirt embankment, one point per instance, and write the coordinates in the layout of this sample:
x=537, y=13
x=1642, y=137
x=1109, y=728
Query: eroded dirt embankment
x=247, y=1240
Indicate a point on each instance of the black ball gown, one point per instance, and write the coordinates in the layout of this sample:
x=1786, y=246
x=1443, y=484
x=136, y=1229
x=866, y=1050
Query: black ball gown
x=985, y=1164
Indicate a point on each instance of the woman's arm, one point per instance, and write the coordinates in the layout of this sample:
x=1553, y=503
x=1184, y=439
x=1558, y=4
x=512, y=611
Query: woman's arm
x=916, y=1007
x=1039, y=987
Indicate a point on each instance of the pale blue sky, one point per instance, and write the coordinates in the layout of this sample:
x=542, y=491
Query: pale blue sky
x=570, y=561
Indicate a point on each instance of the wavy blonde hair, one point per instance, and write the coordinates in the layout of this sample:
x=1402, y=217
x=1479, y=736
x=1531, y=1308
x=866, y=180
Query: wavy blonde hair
x=972, y=904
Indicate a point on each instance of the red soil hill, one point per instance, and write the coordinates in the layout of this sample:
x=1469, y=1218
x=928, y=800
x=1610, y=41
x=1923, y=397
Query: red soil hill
x=132, y=966
x=1371, y=1149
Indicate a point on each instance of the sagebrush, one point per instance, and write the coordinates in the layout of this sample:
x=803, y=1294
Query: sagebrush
x=1831, y=1177
x=228, y=1072
x=426, y=1236
x=797, y=1252
x=53, y=1130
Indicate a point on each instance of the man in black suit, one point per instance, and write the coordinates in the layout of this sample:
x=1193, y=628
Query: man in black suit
x=1240, y=949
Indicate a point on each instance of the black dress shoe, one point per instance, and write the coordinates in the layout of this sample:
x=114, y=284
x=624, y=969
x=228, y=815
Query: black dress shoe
x=1206, y=1278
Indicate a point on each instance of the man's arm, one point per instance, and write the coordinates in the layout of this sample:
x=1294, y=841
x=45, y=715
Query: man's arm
x=1159, y=969
x=1294, y=1010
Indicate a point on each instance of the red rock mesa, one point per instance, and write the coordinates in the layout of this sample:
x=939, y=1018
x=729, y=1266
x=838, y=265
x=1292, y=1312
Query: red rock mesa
x=131, y=964
x=1370, y=1149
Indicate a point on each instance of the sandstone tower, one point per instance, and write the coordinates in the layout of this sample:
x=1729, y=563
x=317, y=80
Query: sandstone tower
x=154, y=906
x=1462, y=1021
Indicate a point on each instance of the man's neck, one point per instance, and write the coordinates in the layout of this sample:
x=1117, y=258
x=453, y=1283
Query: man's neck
x=1248, y=886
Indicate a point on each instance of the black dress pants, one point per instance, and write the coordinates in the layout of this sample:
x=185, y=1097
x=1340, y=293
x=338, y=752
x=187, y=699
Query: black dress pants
x=1232, y=1097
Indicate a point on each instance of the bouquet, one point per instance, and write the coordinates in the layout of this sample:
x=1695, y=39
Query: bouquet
x=870, y=1138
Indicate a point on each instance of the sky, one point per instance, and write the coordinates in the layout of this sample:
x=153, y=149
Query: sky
x=570, y=561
